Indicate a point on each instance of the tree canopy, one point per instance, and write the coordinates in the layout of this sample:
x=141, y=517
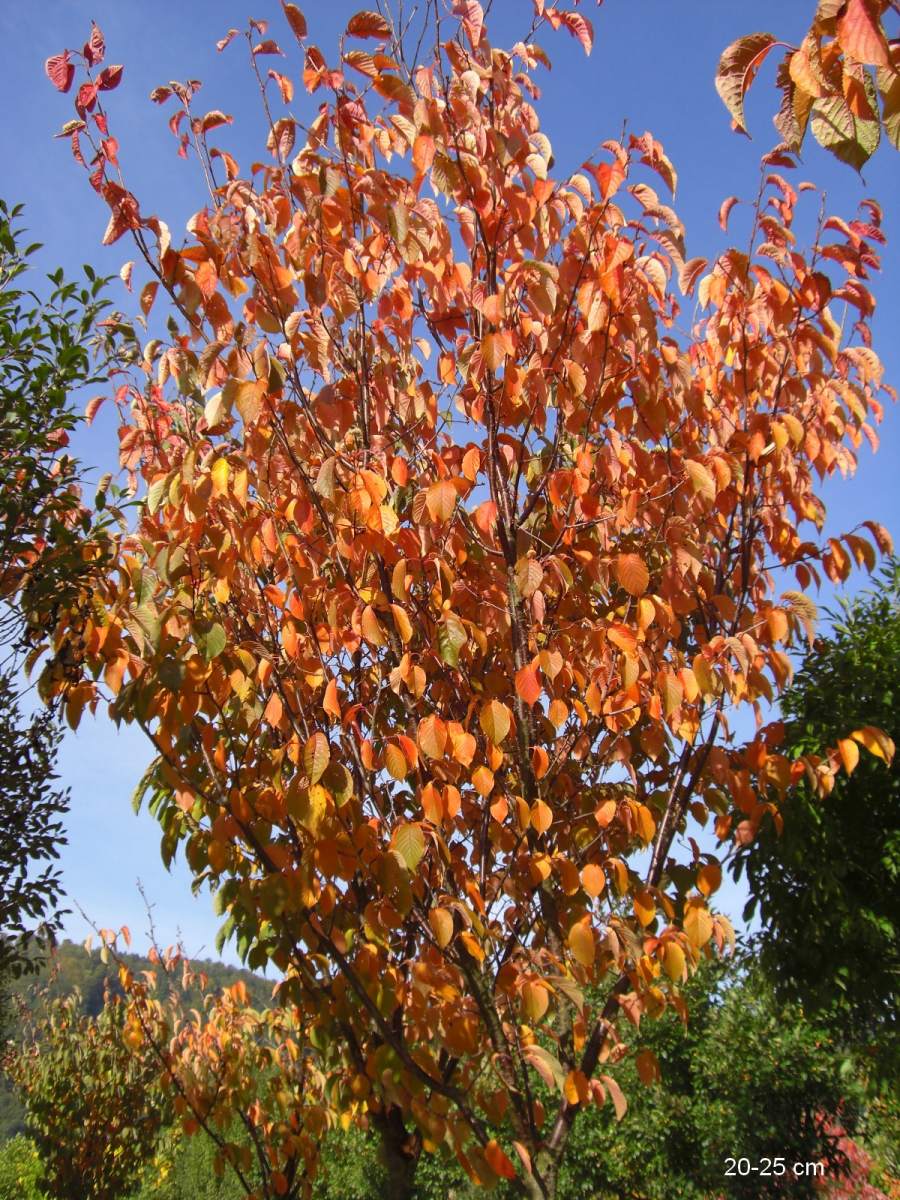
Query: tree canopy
x=470, y=511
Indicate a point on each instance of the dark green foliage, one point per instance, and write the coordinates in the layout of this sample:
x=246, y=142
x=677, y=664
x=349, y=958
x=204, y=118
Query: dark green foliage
x=45, y=357
x=828, y=889
x=31, y=833
x=748, y=1077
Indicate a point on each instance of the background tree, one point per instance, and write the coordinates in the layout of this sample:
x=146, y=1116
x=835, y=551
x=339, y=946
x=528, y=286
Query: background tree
x=94, y=1107
x=831, y=877
x=45, y=357
x=455, y=554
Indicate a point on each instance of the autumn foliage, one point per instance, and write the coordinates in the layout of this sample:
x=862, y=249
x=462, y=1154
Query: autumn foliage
x=472, y=510
x=842, y=83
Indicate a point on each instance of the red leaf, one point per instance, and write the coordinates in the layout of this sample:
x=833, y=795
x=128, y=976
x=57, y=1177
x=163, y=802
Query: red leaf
x=690, y=273
x=92, y=407
x=95, y=47
x=528, y=685
x=109, y=78
x=580, y=28
x=86, y=97
x=471, y=14
x=60, y=71
x=725, y=210
x=368, y=24
x=295, y=19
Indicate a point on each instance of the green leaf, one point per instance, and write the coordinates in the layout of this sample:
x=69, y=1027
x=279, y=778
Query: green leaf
x=451, y=636
x=851, y=139
x=212, y=642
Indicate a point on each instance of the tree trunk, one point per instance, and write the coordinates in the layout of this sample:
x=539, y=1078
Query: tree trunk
x=400, y=1150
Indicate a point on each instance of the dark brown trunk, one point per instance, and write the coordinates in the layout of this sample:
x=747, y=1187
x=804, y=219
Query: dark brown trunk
x=400, y=1150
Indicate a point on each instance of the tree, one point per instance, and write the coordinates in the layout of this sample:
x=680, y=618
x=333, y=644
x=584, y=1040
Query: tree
x=45, y=355
x=94, y=1107
x=832, y=83
x=835, y=866
x=454, y=556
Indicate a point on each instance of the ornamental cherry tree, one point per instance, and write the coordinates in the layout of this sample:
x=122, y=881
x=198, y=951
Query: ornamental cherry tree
x=471, y=512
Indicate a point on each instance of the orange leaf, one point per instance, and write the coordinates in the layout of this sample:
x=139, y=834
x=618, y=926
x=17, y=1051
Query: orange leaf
x=709, y=878
x=483, y=781
x=497, y=1160
x=849, y=752
x=648, y=1067
x=440, y=500
x=541, y=816
x=620, y=1104
x=528, y=685
x=331, y=703
x=593, y=880
x=432, y=736
x=632, y=573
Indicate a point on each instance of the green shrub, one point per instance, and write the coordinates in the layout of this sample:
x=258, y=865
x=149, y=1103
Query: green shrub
x=20, y=1167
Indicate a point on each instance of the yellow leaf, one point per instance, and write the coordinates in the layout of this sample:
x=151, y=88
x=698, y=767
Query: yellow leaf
x=581, y=942
x=535, y=1000
x=408, y=841
x=402, y=623
x=709, y=878
x=494, y=719
x=395, y=761
x=441, y=922
x=697, y=922
x=371, y=627
x=219, y=476
x=876, y=741
x=673, y=961
x=644, y=907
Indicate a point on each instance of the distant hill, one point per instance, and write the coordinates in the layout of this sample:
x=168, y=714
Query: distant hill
x=73, y=968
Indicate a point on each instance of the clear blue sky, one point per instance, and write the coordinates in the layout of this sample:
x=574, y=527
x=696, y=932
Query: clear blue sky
x=652, y=65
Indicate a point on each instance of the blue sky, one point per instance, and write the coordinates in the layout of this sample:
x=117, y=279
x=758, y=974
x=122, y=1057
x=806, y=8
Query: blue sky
x=652, y=65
